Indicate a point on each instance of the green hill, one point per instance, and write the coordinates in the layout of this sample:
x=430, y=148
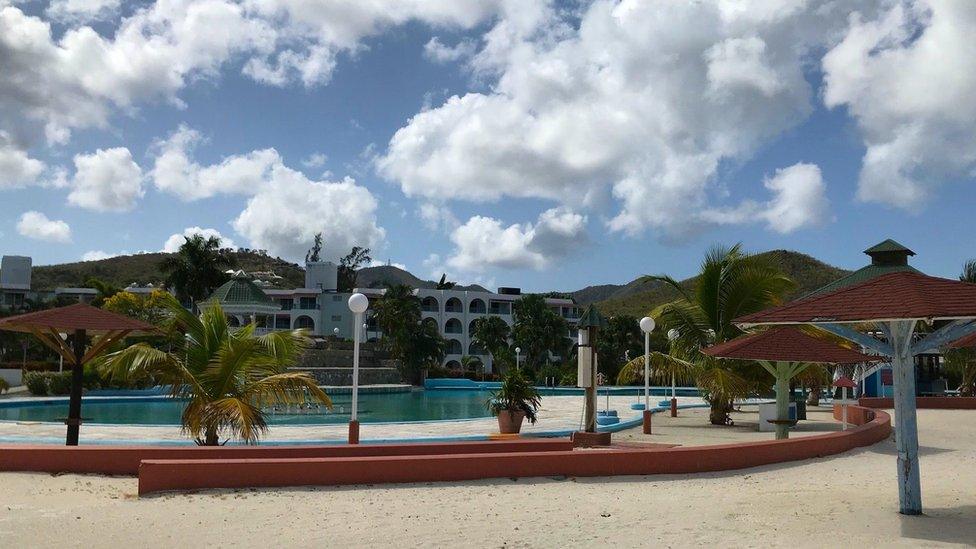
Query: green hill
x=120, y=271
x=641, y=295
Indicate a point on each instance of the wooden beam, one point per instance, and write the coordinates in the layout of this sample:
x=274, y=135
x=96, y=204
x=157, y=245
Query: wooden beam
x=861, y=339
x=943, y=336
x=55, y=343
x=103, y=342
x=906, y=421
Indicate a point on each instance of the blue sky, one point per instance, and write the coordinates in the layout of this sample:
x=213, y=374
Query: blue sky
x=539, y=145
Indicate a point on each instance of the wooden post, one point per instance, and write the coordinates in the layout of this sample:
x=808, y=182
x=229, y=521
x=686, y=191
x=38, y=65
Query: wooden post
x=782, y=399
x=906, y=422
x=77, y=377
x=590, y=415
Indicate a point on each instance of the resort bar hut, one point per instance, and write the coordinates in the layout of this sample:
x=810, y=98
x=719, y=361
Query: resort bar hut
x=893, y=305
x=785, y=352
x=53, y=326
x=243, y=302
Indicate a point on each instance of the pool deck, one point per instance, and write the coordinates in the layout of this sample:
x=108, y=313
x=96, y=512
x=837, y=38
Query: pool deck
x=558, y=414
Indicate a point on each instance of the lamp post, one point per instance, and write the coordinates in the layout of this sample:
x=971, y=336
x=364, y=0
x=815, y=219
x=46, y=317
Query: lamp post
x=591, y=322
x=647, y=326
x=672, y=336
x=518, y=358
x=358, y=303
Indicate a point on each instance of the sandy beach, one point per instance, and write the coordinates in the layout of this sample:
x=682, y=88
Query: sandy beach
x=798, y=504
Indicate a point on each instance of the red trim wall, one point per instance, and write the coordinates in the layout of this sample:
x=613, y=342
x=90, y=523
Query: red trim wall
x=124, y=460
x=932, y=402
x=160, y=475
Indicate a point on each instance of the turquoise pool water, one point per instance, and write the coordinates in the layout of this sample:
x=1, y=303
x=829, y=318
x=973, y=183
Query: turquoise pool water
x=373, y=408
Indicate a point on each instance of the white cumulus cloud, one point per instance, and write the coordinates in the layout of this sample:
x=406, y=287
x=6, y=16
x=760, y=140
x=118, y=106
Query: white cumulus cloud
x=96, y=255
x=909, y=79
x=484, y=242
x=174, y=242
x=635, y=103
x=37, y=226
x=107, y=180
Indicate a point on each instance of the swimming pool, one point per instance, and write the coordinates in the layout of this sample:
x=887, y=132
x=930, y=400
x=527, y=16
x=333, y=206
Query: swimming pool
x=373, y=408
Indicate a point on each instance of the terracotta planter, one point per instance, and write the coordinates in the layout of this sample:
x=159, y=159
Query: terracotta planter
x=510, y=421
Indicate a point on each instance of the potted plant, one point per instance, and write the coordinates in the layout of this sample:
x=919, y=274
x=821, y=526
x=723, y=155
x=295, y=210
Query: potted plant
x=514, y=401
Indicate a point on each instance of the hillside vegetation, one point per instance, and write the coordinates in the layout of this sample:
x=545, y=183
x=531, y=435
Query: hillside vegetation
x=807, y=272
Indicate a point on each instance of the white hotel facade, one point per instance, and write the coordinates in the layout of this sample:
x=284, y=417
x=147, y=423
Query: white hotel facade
x=320, y=308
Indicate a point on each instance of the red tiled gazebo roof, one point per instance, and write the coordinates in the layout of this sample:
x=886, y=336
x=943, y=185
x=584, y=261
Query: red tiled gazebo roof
x=844, y=382
x=964, y=342
x=74, y=317
x=786, y=344
x=894, y=296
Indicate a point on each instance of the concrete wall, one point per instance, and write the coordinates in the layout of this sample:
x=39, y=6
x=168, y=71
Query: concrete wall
x=13, y=376
x=931, y=402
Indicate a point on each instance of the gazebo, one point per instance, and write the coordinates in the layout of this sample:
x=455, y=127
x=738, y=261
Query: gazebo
x=242, y=301
x=896, y=303
x=785, y=352
x=53, y=326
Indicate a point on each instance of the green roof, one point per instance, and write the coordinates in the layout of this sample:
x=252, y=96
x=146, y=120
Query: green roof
x=591, y=317
x=861, y=275
x=240, y=291
x=888, y=246
x=887, y=257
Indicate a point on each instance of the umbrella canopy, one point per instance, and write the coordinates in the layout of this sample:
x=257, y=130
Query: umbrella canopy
x=80, y=321
x=48, y=325
x=845, y=382
x=787, y=344
x=894, y=296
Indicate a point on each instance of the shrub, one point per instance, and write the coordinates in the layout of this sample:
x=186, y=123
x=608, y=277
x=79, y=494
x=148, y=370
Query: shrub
x=36, y=383
x=59, y=383
x=516, y=394
x=4, y=386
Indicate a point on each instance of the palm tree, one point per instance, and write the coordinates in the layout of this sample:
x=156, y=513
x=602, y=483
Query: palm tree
x=423, y=348
x=730, y=284
x=103, y=290
x=196, y=269
x=395, y=313
x=491, y=334
x=969, y=271
x=225, y=375
x=662, y=366
x=538, y=330
x=444, y=283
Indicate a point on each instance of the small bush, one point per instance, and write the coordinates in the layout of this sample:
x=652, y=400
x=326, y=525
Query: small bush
x=58, y=383
x=36, y=383
x=4, y=386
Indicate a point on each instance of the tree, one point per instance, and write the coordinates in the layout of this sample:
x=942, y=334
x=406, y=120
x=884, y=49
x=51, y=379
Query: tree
x=196, y=269
x=730, y=284
x=618, y=343
x=149, y=308
x=104, y=290
x=395, y=313
x=969, y=272
x=422, y=348
x=538, y=330
x=491, y=334
x=445, y=284
x=314, y=253
x=227, y=376
x=348, y=266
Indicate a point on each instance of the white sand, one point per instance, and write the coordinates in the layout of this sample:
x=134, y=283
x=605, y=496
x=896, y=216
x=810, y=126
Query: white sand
x=844, y=500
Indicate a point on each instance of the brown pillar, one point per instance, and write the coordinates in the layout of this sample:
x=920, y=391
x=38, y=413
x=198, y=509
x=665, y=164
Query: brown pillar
x=77, y=376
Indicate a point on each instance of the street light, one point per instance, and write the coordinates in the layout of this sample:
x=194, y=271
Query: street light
x=647, y=326
x=673, y=334
x=358, y=303
x=518, y=357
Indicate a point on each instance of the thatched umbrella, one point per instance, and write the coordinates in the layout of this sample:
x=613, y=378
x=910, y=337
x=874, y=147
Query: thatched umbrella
x=52, y=327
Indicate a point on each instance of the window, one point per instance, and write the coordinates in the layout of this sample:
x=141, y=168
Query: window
x=454, y=305
x=336, y=318
x=453, y=326
x=287, y=304
x=337, y=298
x=306, y=303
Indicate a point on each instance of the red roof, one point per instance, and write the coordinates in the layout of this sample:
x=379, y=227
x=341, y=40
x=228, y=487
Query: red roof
x=894, y=296
x=74, y=317
x=844, y=382
x=786, y=344
x=964, y=342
